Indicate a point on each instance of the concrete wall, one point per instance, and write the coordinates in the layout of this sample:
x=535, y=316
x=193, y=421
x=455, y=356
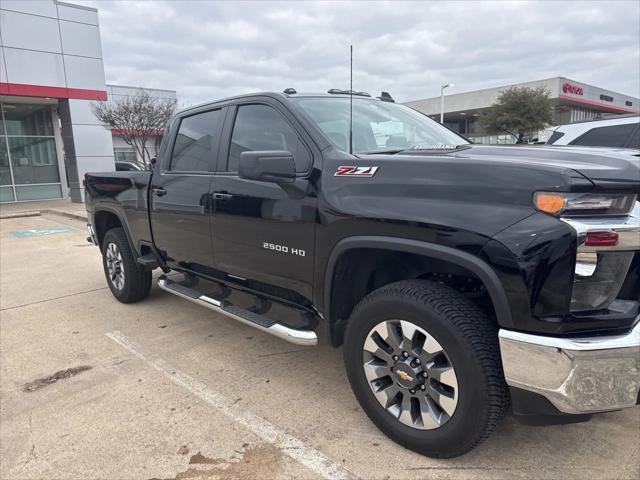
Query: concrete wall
x=87, y=143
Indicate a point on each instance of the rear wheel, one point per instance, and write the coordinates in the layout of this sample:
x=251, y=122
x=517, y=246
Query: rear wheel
x=424, y=363
x=126, y=280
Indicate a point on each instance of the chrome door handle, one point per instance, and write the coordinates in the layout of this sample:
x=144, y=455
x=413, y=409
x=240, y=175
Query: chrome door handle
x=160, y=192
x=222, y=196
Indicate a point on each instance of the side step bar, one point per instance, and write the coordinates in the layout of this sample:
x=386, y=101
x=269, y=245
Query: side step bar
x=299, y=337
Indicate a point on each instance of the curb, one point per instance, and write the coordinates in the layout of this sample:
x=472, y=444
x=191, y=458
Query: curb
x=32, y=213
x=74, y=216
x=37, y=213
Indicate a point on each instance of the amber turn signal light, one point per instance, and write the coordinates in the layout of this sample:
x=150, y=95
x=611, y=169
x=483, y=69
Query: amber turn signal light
x=549, y=202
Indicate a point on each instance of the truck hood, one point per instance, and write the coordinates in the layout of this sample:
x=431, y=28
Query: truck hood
x=608, y=168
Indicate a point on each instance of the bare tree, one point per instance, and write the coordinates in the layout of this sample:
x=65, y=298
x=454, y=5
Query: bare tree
x=136, y=118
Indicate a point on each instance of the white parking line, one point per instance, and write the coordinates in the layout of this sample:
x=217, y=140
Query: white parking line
x=315, y=461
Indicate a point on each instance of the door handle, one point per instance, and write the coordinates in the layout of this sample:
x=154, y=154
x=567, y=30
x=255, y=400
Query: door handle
x=160, y=192
x=222, y=196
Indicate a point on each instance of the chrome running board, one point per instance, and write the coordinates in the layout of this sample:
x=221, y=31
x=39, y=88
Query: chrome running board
x=260, y=322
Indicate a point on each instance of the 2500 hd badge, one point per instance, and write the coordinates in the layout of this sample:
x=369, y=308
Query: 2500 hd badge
x=283, y=249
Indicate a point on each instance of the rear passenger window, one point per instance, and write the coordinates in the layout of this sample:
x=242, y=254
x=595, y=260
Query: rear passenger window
x=196, y=145
x=260, y=127
x=613, y=136
x=635, y=140
x=555, y=136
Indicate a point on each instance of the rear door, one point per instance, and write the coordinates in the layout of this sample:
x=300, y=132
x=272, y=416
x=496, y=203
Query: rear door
x=180, y=191
x=263, y=233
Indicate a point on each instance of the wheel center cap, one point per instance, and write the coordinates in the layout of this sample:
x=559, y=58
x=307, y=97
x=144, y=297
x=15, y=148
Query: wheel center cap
x=406, y=376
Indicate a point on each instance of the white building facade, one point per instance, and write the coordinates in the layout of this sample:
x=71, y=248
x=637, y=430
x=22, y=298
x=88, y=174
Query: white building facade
x=51, y=70
x=573, y=101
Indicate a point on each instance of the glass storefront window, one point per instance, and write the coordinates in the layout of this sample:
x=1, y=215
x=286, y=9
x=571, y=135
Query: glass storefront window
x=34, y=160
x=26, y=119
x=122, y=154
x=5, y=172
x=28, y=155
x=38, y=192
x=6, y=194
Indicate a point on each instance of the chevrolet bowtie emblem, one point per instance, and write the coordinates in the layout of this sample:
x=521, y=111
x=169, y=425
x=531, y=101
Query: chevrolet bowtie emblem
x=404, y=376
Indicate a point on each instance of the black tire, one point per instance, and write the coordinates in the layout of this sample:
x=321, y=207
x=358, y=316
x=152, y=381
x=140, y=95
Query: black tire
x=470, y=341
x=136, y=282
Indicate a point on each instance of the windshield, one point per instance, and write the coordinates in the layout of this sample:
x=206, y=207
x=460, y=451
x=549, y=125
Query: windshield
x=377, y=126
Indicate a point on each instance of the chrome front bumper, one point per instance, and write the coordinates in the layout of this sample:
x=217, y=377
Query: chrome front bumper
x=577, y=375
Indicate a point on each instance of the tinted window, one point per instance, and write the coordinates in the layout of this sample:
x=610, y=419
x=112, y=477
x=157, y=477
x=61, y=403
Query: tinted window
x=124, y=167
x=613, y=136
x=196, y=145
x=634, y=142
x=260, y=127
x=555, y=136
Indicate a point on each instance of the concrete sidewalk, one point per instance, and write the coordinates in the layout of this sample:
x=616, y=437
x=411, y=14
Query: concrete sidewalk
x=63, y=207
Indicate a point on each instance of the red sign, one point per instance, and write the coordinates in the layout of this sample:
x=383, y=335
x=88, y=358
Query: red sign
x=568, y=88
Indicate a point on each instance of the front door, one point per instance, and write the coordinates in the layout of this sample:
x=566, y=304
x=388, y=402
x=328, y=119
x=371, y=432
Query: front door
x=180, y=191
x=264, y=232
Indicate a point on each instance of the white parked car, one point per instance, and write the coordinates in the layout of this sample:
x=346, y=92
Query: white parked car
x=618, y=132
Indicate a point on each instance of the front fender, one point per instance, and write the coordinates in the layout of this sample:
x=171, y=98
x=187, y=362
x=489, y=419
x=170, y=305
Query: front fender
x=476, y=265
x=535, y=261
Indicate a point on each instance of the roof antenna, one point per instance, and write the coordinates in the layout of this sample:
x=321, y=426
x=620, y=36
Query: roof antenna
x=351, y=106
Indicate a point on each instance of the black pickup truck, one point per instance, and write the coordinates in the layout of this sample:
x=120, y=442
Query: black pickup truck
x=459, y=279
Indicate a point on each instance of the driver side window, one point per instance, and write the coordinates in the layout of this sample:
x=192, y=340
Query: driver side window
x=260, y=127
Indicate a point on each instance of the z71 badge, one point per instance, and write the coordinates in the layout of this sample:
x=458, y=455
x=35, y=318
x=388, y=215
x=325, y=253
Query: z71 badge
x=351, y=171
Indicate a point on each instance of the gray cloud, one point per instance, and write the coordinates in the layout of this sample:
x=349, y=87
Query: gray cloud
x=209, y=50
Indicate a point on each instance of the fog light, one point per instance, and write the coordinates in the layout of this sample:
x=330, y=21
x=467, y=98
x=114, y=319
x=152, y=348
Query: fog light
x=599, y=288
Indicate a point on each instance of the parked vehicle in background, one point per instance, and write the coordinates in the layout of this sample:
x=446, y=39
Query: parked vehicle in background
x=122, y=166
x=619, y=132
x=458, y=278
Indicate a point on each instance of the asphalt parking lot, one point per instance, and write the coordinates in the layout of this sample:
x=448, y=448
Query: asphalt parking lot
x=91, y=388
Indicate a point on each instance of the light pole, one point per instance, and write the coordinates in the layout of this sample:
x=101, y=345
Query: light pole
x=442, y=100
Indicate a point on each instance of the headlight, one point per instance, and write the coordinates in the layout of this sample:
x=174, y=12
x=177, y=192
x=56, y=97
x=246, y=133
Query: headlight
x=577, y=204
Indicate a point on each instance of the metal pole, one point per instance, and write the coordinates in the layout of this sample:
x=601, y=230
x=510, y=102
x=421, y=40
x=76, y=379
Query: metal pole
x=351, y=103
x=442, y=105
x=6, y=138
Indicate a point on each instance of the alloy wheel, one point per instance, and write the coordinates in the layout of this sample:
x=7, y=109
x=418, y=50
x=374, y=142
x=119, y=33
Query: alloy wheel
x=114, y=266
x=410, y=374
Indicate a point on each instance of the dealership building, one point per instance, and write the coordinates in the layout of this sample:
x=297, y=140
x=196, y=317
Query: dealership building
x=51, y=71
x=573, y=101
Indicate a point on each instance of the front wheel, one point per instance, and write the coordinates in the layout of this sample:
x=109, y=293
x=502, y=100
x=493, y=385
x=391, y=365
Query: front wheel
x=126, y=280
x=424, y=363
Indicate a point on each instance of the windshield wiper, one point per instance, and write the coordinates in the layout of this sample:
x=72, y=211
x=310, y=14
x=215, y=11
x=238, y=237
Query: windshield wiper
x=418, y=150
x=435, y=149
x=389, y=151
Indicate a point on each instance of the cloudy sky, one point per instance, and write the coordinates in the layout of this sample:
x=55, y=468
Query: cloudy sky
x=208, y=50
